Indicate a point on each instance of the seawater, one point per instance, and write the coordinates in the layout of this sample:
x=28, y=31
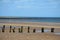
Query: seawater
x=31, y=20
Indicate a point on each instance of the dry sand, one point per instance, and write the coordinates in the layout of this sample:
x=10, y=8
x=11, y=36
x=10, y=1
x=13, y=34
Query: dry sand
x=30, y=36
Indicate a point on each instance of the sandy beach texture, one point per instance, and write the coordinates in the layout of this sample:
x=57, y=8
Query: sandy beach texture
x=30, y=36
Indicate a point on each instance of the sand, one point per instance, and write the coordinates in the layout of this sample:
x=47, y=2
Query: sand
x=33, y=24
x=29, y=36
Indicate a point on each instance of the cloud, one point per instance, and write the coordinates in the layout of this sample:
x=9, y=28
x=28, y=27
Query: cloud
x=6, y=0
x=24, y=6
x=34, y=7
x=31, y=4
x=26, y=0
x=17, y=0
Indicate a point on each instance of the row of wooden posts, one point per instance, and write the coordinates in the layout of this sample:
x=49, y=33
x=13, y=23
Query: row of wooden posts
x=20, y=30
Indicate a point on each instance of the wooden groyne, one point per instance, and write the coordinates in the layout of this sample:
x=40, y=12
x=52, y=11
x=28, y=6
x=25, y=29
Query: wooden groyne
x=26, y=29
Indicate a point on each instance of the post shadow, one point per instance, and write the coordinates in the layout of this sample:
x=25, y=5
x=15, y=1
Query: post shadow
x=42, y=30
x=3, y=29
x=52, y=30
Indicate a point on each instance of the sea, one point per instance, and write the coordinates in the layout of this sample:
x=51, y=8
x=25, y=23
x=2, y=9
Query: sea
x=31, y=19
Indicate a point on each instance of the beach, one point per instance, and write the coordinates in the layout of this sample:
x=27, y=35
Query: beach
x=30, y=36
x=33, y=24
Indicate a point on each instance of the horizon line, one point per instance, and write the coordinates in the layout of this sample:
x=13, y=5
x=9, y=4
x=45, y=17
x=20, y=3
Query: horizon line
x=14, y=17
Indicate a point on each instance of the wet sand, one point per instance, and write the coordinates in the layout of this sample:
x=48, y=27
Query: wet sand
x=30, y=36
x=33, y=24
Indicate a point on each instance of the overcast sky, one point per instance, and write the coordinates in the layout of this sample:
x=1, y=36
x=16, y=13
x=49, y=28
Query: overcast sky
x=30, y=8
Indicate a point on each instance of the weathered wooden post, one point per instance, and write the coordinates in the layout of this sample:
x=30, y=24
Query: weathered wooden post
x=42, y=30
x=10, y=28
x=28, y=29
x=21, y=29
x=3, y=29
x=13, y=30
x=34, y=30
x=52, y=30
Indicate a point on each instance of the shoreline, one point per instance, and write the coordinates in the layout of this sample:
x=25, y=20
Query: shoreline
x=33, y=24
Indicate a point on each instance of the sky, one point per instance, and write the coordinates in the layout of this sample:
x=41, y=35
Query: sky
x=30, y=8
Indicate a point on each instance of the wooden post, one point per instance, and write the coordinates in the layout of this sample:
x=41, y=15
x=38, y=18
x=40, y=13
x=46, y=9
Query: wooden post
x=3, y=29
x=42, y=30
x=34, y=30
x=10, y=28
x=21, y=29
x=28, y=29
x=52, y=30
x=13, y=30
